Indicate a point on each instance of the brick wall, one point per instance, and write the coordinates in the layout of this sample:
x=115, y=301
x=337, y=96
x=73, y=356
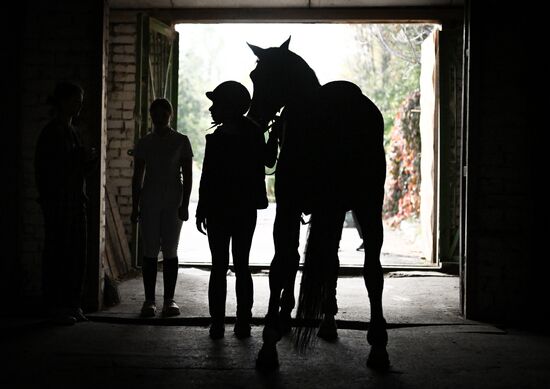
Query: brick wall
x=121, y=89
x=64, y=45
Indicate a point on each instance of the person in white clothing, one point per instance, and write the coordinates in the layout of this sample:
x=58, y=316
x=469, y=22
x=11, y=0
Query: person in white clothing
x=161, y=187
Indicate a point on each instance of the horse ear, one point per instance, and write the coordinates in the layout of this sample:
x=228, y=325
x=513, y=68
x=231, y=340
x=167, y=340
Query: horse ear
x=258, y=51
x=285, y=44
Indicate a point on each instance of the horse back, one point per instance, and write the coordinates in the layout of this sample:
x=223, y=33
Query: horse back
x=346, y=111
x=348, y=127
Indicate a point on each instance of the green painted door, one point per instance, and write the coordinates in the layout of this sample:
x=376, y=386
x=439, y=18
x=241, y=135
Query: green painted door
x=157, y=59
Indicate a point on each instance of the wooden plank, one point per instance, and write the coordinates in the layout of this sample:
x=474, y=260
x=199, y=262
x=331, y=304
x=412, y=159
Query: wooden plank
x=106, y=264
x=111, y=261
x=120, y=231
x=123, y=240
x=118, y=260
x=311, y=15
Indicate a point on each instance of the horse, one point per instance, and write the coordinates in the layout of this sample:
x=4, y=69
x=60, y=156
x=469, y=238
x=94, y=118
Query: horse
x=331, y=160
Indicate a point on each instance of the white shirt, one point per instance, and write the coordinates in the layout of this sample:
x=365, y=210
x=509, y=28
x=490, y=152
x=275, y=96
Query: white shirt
x=163, y=155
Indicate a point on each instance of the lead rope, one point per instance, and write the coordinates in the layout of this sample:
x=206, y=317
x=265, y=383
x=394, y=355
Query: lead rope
x=270, y=126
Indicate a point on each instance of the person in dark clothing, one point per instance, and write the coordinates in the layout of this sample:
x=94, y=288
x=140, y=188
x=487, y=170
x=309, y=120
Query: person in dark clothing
x=232, y=188
x=61, y=166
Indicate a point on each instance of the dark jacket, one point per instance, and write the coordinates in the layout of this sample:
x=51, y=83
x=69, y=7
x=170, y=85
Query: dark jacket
x=233, y=175
x=60, y=166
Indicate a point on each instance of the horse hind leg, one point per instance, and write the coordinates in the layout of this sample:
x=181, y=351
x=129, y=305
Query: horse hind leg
x=377, y=337
x=373, y=236
x=328, y=329
x=288, y=300
x=323, y=244
x=268, y=358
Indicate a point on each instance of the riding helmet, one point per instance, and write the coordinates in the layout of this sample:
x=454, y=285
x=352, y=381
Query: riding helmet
x=233, y=94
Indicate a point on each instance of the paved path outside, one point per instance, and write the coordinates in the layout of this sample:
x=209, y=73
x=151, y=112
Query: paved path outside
x=401, y=247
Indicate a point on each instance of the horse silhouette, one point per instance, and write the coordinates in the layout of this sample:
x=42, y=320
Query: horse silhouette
x=331, y=160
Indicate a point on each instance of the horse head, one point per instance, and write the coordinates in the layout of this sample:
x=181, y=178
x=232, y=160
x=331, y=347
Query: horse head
x=279, y=77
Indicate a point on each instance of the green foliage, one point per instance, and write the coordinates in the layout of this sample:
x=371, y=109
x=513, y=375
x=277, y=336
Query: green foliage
x=191, y=119
x=403, y=179
x=387, y=64
x=189, y=122
x=197, y=71
x=387, y=68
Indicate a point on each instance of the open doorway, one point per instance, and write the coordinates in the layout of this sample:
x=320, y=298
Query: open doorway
x=386, y=61
x=156, y=60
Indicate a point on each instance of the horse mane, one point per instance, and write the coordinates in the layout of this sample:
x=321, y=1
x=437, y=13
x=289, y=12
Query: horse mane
x=302, y=73
x=301, y=77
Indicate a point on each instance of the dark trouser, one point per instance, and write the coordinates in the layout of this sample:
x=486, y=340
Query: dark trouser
x=64, y=255
x=238, y=227
x=169, y=273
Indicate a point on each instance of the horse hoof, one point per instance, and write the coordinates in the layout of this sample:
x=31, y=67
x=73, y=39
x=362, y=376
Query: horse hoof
x=377, y=334
x=271, y=335
x=328, y=330
x=268, y=359
x=378, y=358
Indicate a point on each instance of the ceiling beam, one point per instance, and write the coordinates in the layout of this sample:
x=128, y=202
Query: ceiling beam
x=307, y=15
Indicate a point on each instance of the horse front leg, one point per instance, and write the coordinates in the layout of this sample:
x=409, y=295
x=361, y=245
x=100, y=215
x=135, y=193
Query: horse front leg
x=268, y=358
x=277, y=321
x=282, y=274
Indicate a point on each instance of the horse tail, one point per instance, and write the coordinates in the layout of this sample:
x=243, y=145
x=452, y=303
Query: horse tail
x=310, y=300
x=317, y=288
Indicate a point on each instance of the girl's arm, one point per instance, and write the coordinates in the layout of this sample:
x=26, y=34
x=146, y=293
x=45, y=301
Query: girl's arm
x=187, y=173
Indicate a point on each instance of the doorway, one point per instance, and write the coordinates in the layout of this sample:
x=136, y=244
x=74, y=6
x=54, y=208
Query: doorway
x=386, y=61
x=399, y=284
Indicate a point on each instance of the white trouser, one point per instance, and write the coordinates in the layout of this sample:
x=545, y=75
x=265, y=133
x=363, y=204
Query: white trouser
x=160, y=230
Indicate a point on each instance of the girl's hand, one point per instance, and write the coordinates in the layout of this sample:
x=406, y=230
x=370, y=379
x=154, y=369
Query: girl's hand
x=201, y=225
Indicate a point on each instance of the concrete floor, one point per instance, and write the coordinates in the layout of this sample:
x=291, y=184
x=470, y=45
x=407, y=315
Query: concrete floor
x=409, y=297
x=430, y=345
